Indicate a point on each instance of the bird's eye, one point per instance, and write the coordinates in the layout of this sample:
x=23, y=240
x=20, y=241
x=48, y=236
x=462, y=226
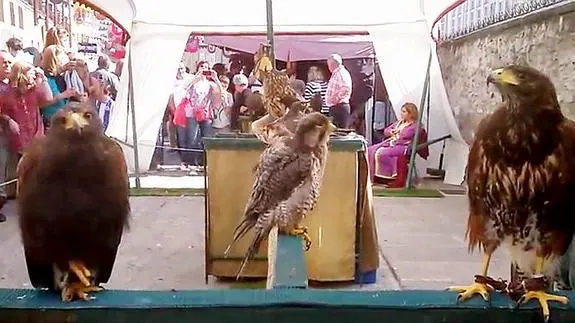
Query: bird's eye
x=88, y=115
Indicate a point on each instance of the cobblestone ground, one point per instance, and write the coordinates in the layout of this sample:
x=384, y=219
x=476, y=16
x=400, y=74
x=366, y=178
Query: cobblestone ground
x=421, y=246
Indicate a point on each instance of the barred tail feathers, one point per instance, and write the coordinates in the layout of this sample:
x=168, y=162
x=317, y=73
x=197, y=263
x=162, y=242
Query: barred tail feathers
x=258, y=238
x=241, y=230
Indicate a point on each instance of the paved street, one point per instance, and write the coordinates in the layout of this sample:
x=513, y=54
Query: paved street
x=421, y=241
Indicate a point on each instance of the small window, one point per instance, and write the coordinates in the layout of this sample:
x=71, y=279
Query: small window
x=2, y=10
x=20, y=18
x=12, y=14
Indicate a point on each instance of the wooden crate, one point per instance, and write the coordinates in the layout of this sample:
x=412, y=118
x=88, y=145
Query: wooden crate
x=332, y=225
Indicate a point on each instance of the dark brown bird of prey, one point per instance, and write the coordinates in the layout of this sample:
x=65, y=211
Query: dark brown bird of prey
x=73, y=204
x=287, y=184
x=521, y=179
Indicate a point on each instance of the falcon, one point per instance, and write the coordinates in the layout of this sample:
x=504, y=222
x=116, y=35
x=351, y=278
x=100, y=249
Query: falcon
x=287, y=184
x=73, y=205
x=278, y=97
x=521, y=179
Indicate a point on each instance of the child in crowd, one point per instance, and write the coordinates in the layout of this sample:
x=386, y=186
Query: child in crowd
x=104, y=101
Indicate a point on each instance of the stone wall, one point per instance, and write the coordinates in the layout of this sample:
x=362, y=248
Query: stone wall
x=544, y=41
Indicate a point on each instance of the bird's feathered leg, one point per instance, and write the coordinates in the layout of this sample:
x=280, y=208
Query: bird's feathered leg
x=536, y=289
x=309, y=188
x=480, y=285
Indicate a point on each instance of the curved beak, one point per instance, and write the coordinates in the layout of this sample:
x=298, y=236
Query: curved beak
x=75, y=120
x=502, y=76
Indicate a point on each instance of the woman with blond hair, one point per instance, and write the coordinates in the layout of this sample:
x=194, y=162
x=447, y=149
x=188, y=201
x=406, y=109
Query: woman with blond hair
x=53, y=67
x=382, y=157
x=21, y=105
x=56, y=36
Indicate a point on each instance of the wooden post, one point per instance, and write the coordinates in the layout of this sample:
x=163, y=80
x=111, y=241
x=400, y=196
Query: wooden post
x=46, y=13
x=272, y=255
x=286, y=261
x=270, y=32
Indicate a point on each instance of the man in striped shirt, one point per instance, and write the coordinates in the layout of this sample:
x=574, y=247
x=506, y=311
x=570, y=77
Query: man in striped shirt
x=338, y=92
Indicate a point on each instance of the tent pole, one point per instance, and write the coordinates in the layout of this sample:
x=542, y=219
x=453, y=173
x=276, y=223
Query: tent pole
x=270, y=31
x=46, y=14
x=411, y=165
x=133, y=109
x=374, y=98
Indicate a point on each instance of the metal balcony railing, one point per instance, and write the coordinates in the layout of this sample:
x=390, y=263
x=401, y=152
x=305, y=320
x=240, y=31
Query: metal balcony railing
x=467, y=16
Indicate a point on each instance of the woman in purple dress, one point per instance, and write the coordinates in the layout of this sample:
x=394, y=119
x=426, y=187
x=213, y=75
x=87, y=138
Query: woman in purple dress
x=398, y=136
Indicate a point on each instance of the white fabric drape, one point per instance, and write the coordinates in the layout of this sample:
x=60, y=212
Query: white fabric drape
x=399, y=32
x=403, y=51
x=155, y=58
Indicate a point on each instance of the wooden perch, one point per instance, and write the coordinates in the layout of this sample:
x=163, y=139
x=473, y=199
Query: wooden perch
x=286, y=261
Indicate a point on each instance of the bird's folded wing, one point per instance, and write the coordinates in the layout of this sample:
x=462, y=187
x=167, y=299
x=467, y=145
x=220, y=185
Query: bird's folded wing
x=279, y=172
x=28, y=161
x=115, y=153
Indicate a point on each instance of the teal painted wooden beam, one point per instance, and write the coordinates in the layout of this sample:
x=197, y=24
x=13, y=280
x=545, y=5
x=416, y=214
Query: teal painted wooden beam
x=278, y=305
x=286, y=265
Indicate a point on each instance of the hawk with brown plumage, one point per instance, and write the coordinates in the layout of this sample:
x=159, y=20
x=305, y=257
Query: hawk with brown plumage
x=278, y=99
x=287, y=183
x=73, y=204
x=275, y=83
x=521, y=179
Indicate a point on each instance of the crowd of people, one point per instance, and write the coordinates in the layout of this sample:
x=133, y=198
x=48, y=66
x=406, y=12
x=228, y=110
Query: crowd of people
x=206, y=103
x=35, y=85
x=212, y=100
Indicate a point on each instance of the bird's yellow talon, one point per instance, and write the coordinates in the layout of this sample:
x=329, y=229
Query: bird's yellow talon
x=79, y=291
x=544, y=298
x=466, y=292
x=78, y=268
x=302, y=232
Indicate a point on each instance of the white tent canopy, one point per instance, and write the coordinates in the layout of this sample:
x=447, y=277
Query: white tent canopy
x=399, y=32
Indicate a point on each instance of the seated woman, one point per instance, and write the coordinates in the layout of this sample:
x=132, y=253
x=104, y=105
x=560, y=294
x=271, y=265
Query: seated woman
x=398, y=136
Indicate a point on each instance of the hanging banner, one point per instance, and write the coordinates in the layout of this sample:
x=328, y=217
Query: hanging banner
x=193, y=44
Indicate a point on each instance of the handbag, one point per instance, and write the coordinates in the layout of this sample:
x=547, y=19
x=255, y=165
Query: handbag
x=200, y=111
x=180, y=113
x=200, y=114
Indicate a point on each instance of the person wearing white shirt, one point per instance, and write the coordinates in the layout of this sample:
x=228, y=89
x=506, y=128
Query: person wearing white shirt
x=16, y=48
x=222, y=114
